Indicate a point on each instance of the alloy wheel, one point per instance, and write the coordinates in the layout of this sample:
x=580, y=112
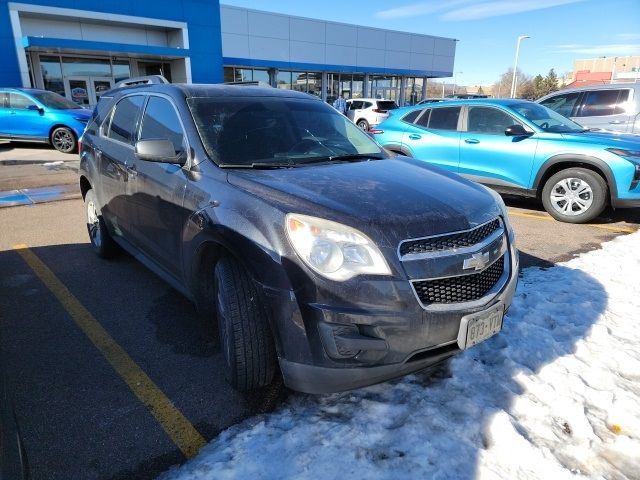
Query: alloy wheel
x=63, y=140
x=93, y=223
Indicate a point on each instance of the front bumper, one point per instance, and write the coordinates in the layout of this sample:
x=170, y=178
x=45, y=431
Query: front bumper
x=353, y=348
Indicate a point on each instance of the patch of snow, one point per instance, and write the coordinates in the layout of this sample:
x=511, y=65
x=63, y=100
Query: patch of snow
x=555, y=395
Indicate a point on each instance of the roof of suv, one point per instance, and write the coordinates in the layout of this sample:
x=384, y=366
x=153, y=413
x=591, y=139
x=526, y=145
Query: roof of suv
x=212, y=90
x=604, y=86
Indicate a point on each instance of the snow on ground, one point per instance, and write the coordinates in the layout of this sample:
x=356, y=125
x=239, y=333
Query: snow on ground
x=556, y=395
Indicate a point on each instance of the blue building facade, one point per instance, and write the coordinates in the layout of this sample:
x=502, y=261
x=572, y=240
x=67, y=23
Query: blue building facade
x=80, y=49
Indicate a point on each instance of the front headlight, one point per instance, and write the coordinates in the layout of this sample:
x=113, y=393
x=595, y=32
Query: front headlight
x=333, y=250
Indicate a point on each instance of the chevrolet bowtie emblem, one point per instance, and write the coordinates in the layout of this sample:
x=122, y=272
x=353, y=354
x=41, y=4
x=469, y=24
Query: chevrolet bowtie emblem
x=477, y=261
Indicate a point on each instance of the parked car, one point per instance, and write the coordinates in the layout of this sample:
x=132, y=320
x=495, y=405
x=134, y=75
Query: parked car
x=315, y=250
x=614, y=107
x=369, y=112
x=31, y=115
x=521, y=147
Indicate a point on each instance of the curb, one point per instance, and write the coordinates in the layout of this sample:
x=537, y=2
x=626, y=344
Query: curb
x=32, y=196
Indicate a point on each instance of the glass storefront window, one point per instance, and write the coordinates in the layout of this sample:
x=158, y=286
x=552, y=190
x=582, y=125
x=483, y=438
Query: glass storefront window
x=52, y=74
x=357, y=85
x=89, y=67
x=261, y=76
x=384, y=86
x=314, y=83
x=121, y=70
x=283, y=80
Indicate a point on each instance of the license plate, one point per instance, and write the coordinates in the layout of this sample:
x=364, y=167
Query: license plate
x=479, y=326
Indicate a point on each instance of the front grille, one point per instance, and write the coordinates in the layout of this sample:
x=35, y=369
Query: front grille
x=451, y=241
x=459, y=289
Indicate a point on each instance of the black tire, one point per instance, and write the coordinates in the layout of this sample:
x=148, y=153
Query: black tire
x=64, y=140
x=575, y=177
x=101, y=241
x=243, y=326
x=363, y=124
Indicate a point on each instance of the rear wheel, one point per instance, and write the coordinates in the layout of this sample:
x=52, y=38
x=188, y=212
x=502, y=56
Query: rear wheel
x=64, y=140
x=243, y=326
x=363, y=124
x=101, y=241
x=575, y=195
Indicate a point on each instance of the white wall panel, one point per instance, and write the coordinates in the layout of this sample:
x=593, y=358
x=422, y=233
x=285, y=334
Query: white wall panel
x=235, y=45
x=370, y=57
x=397, y=59
x=307, y=30
x=307, y=52
x=421, y=61
x=268, y=25
x=262, y=48
x=422, y=44
x=41, y=27
x=445, y=47
x=340, y=55
x=234, y=20
x=398, y=42
x=340, y=34
x=370, y=38
x=442, y=64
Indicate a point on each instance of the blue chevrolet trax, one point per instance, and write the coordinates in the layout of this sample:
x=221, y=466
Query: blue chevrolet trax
x=30, y=115
x=520, y=147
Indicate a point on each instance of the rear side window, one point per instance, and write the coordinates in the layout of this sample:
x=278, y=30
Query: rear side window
x=411, y=116
x=603, y=102
x=563, y=103
x=99, y=113
x=444, y=118
x=125, y=118
x=356, y=105
x=161, y=122
x=367, y=104
x=423, y=121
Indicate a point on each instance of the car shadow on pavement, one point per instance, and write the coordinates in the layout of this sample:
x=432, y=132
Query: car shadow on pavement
x=437, y=423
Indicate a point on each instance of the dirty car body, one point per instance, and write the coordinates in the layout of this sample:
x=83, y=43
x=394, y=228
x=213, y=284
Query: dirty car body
x=370, y=266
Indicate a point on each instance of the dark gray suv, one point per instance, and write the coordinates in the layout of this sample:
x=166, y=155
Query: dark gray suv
x=316, y=251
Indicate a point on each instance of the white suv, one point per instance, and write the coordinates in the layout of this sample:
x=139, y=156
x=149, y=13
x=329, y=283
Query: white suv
x=369, y=112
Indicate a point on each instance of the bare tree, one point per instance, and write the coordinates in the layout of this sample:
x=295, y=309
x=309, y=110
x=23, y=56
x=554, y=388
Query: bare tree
x=502, y=88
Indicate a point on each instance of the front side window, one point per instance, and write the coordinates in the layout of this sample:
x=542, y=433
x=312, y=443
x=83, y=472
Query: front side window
x=124, y=119
x=444, y=118
x=603, y=102
x=545, y=118
x=19, y=102
x=276, y=131
x=53, y=100
x=161, y=122
x=563, y=103
x=489, y=120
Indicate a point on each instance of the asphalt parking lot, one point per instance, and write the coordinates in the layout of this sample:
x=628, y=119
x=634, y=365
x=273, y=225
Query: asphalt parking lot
x=114, y=375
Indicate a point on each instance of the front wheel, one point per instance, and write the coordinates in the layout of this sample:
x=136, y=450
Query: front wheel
x=363, y=124
x=245, y=336
x=575, y=195
x=64, y=140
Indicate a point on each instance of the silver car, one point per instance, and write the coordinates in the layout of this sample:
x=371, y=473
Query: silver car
x=614, y=107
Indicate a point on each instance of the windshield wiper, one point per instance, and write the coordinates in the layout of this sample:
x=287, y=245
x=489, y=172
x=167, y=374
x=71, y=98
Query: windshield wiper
x=354, y=157
x=258, y=165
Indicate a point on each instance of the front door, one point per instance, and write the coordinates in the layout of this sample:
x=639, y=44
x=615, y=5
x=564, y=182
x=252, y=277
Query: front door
x=489, y=156
x=86, y=91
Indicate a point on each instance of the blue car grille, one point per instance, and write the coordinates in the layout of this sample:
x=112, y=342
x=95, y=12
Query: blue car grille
x=466, y=288
x=450, y=241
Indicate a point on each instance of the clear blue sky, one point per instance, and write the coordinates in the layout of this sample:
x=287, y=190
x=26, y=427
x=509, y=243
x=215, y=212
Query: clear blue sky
x=561, y=30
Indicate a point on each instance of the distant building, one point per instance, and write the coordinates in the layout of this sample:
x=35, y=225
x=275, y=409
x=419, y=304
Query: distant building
x=595, y=71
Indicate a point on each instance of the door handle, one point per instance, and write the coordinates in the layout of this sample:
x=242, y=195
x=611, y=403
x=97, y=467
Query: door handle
x=415, y=136
x=471, y=140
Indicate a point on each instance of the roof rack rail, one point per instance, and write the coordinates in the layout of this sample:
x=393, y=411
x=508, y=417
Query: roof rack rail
x=149, y=79
x=255, y=83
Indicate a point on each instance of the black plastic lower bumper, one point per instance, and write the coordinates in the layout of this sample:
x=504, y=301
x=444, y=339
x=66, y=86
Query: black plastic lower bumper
x=625, y=203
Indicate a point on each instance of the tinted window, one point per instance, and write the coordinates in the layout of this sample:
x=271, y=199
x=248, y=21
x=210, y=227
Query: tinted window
x=545, y=118
x=563, y=103
x=411, y=116
x=423, y=121
x=18, y=101
x=125, y=118
x=387, y=105
x=53, y=100
x=601, y=102
x=367, y=104
x=444, y=118
x=357, y=105
x=161, y=121
x=489, y=120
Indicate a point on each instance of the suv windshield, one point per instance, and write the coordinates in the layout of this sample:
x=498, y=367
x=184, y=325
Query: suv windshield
x=245, y=131
x=54, y=100
x=547, y=119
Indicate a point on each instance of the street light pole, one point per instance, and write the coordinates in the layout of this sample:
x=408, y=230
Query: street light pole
x=515, y=65
x=455, y=82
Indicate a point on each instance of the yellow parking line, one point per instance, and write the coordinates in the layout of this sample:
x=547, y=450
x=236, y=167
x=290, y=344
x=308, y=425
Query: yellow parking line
x=179, y=429
x=613, y=228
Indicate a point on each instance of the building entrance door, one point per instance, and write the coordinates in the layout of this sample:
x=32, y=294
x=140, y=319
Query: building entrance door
x=86, y=91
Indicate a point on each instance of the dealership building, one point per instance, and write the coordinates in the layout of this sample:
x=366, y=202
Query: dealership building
x=80, y=49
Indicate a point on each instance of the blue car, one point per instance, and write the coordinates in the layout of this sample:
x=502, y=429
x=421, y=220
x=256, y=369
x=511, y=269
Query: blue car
x=30, y=115
x=520, y=147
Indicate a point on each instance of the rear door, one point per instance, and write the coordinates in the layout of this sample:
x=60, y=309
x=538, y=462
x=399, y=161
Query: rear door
x=606, y=110
x=488, y=156
x=435, y=137
x=159, y=215
x=115, y=157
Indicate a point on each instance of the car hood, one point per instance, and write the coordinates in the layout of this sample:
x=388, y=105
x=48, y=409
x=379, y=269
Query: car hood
x=606, y=139
x=397, y=198
x=75, y=112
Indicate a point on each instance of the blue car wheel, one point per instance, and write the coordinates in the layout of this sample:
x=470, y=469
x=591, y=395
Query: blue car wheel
x=63, y=140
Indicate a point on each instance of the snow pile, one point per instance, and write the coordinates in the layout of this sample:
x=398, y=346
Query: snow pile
x=555, y=395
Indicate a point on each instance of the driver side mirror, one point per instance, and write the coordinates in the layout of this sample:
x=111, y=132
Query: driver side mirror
x=516, y=131
x=161, y=151
x=35, y=108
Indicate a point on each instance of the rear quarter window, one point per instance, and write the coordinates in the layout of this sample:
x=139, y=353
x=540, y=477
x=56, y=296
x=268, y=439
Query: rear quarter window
x=411, y=116
x=124, y=119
